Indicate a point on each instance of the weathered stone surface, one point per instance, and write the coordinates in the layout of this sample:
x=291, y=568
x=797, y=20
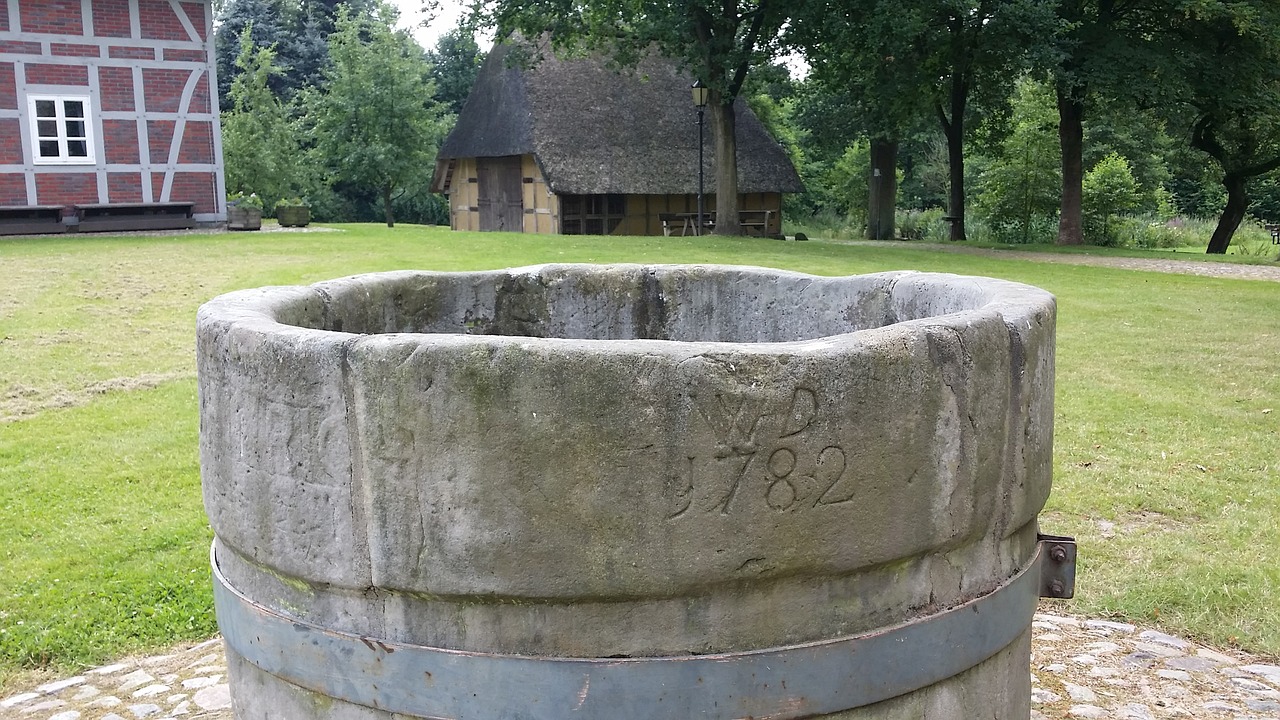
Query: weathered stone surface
x=1080, y=693
x=1156, y=636
x=134, y=680
x=43, y=706
x=216, y=697
x=1194, y=664
x=58, y=686
x=18, y=699
x=586, y=461
x=1110, y=626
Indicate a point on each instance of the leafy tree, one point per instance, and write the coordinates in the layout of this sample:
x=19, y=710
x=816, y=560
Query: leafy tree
x=719, y=41
x=941, y=54
x=1020, y=189
x=1230, y=62
x=258, y=143
x=1137, y=134
x=268, y=22
x=377, y=124
x=455, y=63
x=1109, y=190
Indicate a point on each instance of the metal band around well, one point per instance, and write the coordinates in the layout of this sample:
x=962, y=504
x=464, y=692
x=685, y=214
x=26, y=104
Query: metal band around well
x=786, y=682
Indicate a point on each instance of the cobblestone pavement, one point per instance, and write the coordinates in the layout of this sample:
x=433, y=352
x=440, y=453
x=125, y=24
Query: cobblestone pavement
x=1099, y=669
x=188, y=683
x=1080, y=668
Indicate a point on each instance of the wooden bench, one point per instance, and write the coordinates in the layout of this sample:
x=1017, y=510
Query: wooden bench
x=755, y=221
x=31, y=219
x=686, y=223
x=110, y=217
x=1275, y=233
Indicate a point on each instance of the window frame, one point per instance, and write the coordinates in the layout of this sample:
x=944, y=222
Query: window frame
x=63, y=138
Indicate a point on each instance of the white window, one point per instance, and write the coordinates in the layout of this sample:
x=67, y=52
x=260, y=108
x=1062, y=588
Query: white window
x=60, y=130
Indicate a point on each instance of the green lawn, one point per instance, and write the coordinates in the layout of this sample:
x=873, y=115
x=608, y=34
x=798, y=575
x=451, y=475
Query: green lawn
x=1168, y=404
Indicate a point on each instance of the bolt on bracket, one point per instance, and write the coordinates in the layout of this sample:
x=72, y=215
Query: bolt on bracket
x=1057, y=566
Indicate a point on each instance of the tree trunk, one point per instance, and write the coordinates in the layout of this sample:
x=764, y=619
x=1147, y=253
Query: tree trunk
x=882, y=198
x=724, y=132
x=386, y=205
x=1232, y=214
x=1071, y=141
x=953, y=128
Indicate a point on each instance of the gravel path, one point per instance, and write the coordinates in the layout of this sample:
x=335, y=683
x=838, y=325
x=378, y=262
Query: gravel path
x=1181, y=267
x=1080, y=668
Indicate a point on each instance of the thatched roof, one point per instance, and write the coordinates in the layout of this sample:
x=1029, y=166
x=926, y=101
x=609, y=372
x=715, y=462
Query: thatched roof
x=594, y=130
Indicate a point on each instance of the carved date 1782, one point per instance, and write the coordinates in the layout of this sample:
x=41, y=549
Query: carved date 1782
x=763, y=458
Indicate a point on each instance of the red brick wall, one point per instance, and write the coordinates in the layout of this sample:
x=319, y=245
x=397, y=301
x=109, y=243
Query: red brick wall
x=8, y=87
x=200, y=96
x=111, y=18
x=66, y=188
x=160, y=133
x=13, y=189
x=10, y=141
x=195, y=11
x=171, y=55
x=197, y=143
x=197, y=188
x=17, y=46
x=159, y=22
x=4, y=20
x=116, y=88
x=57, y=75
x=120, y=141
x=163, y=88
x=69, y=50
x=130, y=53
x=61, y=17
x=125, y=187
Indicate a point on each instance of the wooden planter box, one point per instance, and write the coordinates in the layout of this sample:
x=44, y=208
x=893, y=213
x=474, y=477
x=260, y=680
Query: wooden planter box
x=243, y=218
x=293, y=216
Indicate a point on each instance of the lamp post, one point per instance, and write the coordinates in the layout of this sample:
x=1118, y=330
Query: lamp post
x=700, y=95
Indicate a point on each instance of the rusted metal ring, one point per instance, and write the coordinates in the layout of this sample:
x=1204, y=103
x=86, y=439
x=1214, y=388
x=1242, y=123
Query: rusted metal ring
x=796, y=681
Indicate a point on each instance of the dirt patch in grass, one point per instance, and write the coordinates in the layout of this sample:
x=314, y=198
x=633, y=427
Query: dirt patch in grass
x=20, y=402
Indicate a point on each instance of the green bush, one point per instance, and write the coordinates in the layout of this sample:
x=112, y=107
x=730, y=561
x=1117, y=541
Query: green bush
x=1109, y=190
x=1162, y=235
x=922, y=225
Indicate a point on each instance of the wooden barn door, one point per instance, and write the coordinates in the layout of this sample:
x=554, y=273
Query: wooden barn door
x=501, y=196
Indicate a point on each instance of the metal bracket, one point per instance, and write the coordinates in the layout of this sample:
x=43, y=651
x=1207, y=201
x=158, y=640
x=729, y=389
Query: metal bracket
x=1057, y=566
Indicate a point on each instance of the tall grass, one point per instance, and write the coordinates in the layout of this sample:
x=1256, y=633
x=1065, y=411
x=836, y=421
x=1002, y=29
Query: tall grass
x=1167, y=422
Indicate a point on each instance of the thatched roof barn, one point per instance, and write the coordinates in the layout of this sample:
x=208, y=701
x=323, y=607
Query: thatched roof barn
x=571, y=146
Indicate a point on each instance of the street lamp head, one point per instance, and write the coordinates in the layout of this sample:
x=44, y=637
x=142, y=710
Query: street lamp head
x=701, y=93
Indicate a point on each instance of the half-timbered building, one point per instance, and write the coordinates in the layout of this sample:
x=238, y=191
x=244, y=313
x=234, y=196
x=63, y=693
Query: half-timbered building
x=108, y=115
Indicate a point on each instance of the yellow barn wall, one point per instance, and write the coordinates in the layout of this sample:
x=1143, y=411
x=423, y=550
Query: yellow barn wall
x=541, y=206
x=464, y=196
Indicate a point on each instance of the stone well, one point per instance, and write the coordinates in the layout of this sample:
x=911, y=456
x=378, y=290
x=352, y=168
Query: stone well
x=670, y=492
